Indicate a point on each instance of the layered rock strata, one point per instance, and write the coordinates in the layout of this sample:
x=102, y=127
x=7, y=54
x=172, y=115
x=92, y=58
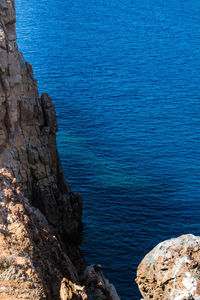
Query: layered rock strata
x=40, y=217
x=171, y=271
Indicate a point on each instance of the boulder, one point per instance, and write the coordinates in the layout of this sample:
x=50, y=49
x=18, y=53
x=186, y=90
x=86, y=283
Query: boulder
x=171, y=271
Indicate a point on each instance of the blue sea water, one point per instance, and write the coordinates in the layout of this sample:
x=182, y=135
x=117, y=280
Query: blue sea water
x=125, y=80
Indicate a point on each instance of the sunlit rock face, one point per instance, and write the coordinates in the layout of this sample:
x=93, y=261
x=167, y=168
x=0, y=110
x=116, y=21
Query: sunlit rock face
x=171, y=271
x=32, y=261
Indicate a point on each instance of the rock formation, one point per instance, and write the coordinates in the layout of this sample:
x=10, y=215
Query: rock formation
x=40, y=217
x=32, y=262
x=171, y=271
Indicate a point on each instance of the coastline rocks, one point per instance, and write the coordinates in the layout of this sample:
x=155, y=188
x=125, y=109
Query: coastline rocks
x=97, y=286
x=28, y=129
x=32, y=260
x=72, y=291
x=40, y=217
x=171, y=271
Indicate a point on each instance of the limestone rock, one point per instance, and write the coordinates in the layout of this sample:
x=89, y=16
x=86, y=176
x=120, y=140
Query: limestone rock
x=171, y=271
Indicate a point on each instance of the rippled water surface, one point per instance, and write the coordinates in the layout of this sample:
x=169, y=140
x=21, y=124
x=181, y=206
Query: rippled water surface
x=125, y=80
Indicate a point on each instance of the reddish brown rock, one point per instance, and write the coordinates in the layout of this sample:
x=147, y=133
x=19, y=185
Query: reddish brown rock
x=32, y=261
x=171, y=271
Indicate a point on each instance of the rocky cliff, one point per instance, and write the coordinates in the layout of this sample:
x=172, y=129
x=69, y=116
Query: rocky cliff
x=40, y=217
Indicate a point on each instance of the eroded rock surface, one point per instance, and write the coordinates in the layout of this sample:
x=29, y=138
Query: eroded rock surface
x=171, y=271
x=40, y=217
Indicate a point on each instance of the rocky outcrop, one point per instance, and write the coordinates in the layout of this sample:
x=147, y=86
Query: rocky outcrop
x=40, y=217
x=28, y=129
x=31, y=256
x=97, y=286
x=171, y=271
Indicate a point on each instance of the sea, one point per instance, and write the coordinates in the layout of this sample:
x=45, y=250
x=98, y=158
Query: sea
x=125, y=80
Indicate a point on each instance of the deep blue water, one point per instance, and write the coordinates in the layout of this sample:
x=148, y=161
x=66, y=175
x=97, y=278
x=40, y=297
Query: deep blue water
x=125, y=80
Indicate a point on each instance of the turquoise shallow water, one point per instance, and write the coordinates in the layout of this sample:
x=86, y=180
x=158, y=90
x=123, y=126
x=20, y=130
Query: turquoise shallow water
x=125, y=80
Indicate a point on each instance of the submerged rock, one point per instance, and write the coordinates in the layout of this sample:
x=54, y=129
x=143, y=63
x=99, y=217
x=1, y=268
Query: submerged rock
x=171, y=271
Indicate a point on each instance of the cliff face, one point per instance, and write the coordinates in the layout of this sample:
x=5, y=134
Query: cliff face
x=40, y=218
x=28, y=135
